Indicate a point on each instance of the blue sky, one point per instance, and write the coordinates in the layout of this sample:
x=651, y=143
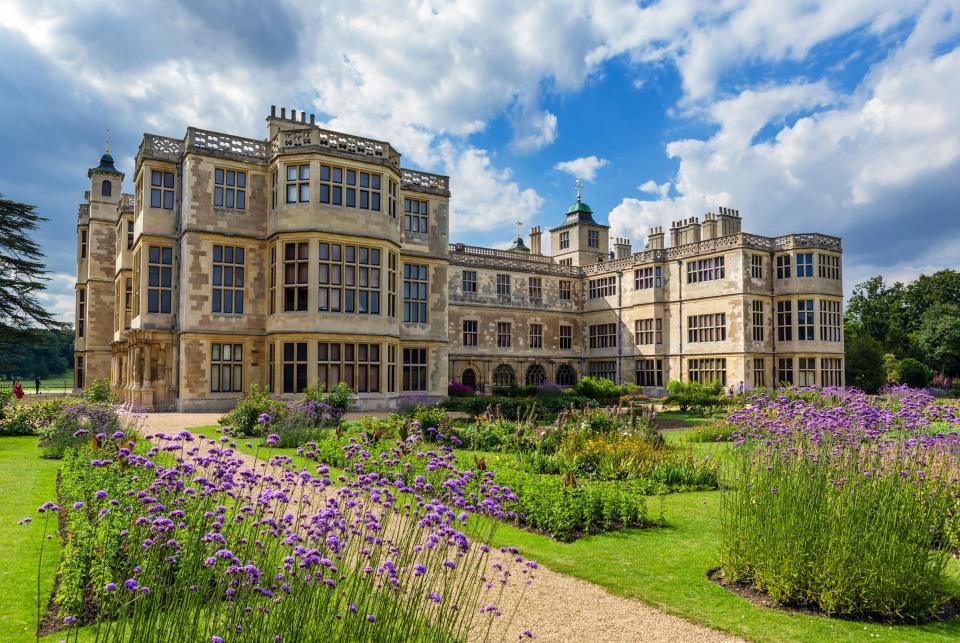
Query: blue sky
x=838, y=117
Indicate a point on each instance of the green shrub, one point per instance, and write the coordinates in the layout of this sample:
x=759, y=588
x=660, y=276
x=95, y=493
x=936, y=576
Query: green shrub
x=244, y=419
x=694, y=395
x=29, y=419
x=432, y=420
x=912, y=373
x=6, y=402
x=566, y=508
x=602, y=390
x=545, y=408
x=717, y=432
x=851, y=529
x=79, y=422
x=99, y=392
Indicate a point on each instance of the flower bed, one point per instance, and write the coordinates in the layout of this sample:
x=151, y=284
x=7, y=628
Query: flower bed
x=843, y=503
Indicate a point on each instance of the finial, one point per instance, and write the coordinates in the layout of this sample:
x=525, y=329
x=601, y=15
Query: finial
x=107, y=144
x=579, y=185
x=519, y=227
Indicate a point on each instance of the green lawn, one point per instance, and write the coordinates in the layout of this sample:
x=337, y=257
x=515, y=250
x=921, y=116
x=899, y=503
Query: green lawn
x=60, y=383
x=26, y=482
x=686, y=417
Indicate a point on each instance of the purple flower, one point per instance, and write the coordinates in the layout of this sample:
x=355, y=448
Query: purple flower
x=101, y=494
x=371, y=618
x=69, y=620
x=78, y=505
x=109, y=587
x=131, y=584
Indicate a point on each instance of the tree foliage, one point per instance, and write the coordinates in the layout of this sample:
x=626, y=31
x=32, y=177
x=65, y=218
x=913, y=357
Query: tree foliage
x=22, y=275
x=864, y=363
x=919, y=320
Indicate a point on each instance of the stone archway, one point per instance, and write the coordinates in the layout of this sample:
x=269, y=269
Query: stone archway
x=566, y=375
x=536, y=375
x=503, y=376
x=469, y=378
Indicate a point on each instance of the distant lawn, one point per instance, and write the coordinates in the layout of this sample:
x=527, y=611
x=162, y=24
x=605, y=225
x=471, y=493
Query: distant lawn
x=26, y=482
x=62, y=383
x=691, y=419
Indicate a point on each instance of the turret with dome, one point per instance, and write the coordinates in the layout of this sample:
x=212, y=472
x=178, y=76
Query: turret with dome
x=580, y=240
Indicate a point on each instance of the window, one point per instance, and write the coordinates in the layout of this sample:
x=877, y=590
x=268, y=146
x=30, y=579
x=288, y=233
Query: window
x=648, y=331
x=80, y=371
x=784, y=321
x=805, y=264
x=756, y=266
x=706, y=370
x=349, y=279
x=294, y=367
x=593, y=238
x=470, y=281
x=298, y=183
x=470, y=334
x=81, y=312
x=566, y=376
x=414, y=293
x=503, y=376
x=831, y=371
x=757, y=314
x=392, y=262
x=159, y=279
x=807, y=371
x=273, y=279
x=565, y=262
x=536, y=335
x=136, y=283
x=391, y=369
x=783, y=267
x=644, y=278
x=785, y=370
x=759, y=372
x=602, y=287
x=603, y=336
x=414, y=369
x=127, y=301
x=564, y=240
x=130, y=235
x=503, y=334
x=227, y=279
x=535, y=288
x=503, y=285
x=565, y=290
x=351, y=188
x=700, y=270
x=271, y=362
x=161, y=189
x=805, y=320
x=229, y=189
x=226, y=368
x=649, y=372
x=273, y=189
x=394, y=189
x=295, y=275
x=83, y=244
x=829, y=267
x=356, y=365
x=605, y=369
x=707, y=328
x=536, y=375
x=830, y=321
x=106, y=188
x=566, y=337
x=415, y=216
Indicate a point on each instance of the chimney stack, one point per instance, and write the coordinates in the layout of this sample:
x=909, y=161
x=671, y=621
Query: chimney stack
x=655, y=238
x=535, y=237
x=621, y=247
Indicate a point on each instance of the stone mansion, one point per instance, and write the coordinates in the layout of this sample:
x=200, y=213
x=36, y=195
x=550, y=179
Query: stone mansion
x=315, y=255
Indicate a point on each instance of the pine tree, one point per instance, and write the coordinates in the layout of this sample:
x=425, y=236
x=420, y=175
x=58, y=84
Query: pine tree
x=22, y=275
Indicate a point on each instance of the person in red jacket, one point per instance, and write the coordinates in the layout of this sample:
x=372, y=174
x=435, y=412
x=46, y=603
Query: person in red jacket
x=17, y=390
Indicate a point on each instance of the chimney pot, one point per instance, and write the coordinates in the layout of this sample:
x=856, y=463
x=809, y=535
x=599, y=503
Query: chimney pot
x=283, y=112
x=273, y=110
x=303, y=117
x=313, y=119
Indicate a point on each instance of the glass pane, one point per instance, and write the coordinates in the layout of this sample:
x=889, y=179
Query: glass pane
x=241, y=179
x=217, y=272
x=168, y=179
x=218, y=197
x=218, y=176
x=168, y=200
x=156, y=178
x=304, y=192
x=230, y=195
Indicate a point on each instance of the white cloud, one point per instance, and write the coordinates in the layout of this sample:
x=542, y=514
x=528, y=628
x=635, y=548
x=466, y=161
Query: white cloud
x=652, y=187
x=485, y=197
x=59, y=298
x=584, y=167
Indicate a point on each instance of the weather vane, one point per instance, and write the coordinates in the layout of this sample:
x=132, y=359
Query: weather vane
x=519, y=225
x=107, y=146
x=579, y=184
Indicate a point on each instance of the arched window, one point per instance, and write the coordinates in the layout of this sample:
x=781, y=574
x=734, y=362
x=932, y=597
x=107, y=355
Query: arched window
x=106, y=188
x=503, y=376
x=536, y=375
x=566, y=376
x=469, y=378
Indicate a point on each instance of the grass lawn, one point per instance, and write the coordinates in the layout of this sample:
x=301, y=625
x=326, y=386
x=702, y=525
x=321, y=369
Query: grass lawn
x=61, y=383
x=686, y=417
x=26, y=482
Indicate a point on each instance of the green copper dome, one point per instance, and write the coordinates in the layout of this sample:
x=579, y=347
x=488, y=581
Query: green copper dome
x=579, y=206
x=579, y=212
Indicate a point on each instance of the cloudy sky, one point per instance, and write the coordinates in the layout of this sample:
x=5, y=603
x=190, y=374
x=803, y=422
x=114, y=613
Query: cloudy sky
x=837, y=117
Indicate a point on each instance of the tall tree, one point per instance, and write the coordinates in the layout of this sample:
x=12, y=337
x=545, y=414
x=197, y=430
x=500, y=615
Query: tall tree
x=863, y=363
x=939, y=337
x=22, y=274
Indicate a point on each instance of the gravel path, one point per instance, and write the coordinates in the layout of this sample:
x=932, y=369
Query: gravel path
x=555, y=607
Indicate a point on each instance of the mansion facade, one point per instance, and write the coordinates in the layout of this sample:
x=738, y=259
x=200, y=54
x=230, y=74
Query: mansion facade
x=313, y=255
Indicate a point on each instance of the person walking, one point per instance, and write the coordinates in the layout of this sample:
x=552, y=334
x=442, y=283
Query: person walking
x=17, y=390
x=36, y=381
